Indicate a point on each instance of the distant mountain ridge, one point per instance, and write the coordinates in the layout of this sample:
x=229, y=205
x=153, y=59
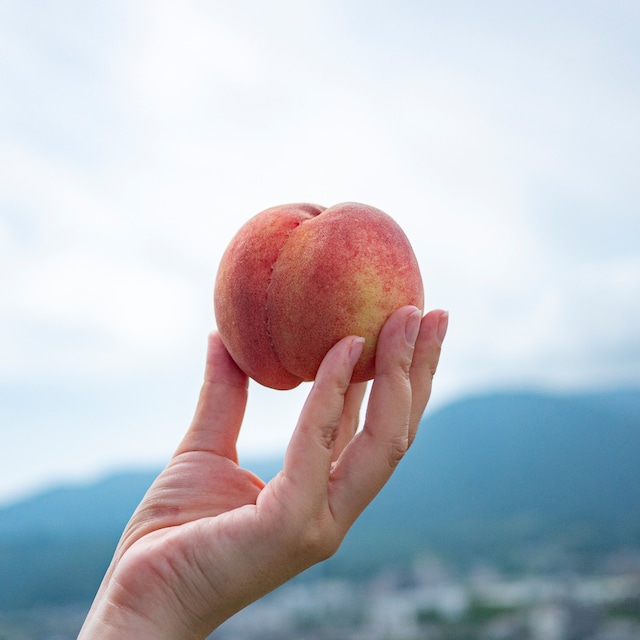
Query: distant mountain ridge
x=510, y=468
x=486, y=474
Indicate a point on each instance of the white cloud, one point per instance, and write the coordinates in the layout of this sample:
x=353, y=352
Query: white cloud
x=178, y=53
x=83, y=282
x=136, y=139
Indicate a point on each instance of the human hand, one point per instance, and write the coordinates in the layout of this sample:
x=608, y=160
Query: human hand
x=210, y=537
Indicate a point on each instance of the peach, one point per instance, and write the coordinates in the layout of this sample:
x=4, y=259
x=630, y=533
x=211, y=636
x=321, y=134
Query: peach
x=297, y=278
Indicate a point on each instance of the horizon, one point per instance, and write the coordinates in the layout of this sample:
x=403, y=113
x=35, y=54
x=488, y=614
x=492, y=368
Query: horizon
x=255, y=458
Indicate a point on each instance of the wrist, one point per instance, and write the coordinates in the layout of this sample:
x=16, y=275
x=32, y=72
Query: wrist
x=109, y=620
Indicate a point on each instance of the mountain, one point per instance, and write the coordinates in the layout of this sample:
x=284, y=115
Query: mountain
x=487, y=476
x=491, y=474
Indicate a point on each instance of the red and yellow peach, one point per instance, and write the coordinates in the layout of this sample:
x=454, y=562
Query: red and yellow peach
x=297, y=278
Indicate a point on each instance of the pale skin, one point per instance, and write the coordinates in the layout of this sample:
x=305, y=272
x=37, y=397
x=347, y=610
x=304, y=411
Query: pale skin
x=210, y=537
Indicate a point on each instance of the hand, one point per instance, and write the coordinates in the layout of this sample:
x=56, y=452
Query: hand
x=210, y=537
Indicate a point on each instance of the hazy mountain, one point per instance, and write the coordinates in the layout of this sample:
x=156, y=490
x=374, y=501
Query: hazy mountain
x=487, y=475
x=492, y=473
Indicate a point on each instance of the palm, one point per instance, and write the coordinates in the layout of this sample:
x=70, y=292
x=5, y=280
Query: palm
x=195, y=485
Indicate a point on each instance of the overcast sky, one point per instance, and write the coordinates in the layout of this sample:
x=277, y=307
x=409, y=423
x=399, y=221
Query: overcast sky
x=136, y=137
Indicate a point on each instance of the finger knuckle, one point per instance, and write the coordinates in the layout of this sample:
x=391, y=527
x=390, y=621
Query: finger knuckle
x=396, y=450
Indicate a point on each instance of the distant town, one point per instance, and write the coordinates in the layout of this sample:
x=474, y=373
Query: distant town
x=427, y=600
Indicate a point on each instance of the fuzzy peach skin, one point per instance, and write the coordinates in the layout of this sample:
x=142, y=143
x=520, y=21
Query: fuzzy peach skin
x=298, y=278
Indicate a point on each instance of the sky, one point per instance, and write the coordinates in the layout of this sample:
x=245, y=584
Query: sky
x=137, y=137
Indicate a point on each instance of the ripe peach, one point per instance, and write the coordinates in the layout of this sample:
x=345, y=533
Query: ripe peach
x=297, y=278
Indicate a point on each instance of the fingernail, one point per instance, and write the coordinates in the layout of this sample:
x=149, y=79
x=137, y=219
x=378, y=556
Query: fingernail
x=355, y=351
x=443, y=323
x=412, y=326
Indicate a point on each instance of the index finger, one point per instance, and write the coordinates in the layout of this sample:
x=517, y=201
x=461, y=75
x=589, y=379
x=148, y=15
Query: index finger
x=310, y=453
